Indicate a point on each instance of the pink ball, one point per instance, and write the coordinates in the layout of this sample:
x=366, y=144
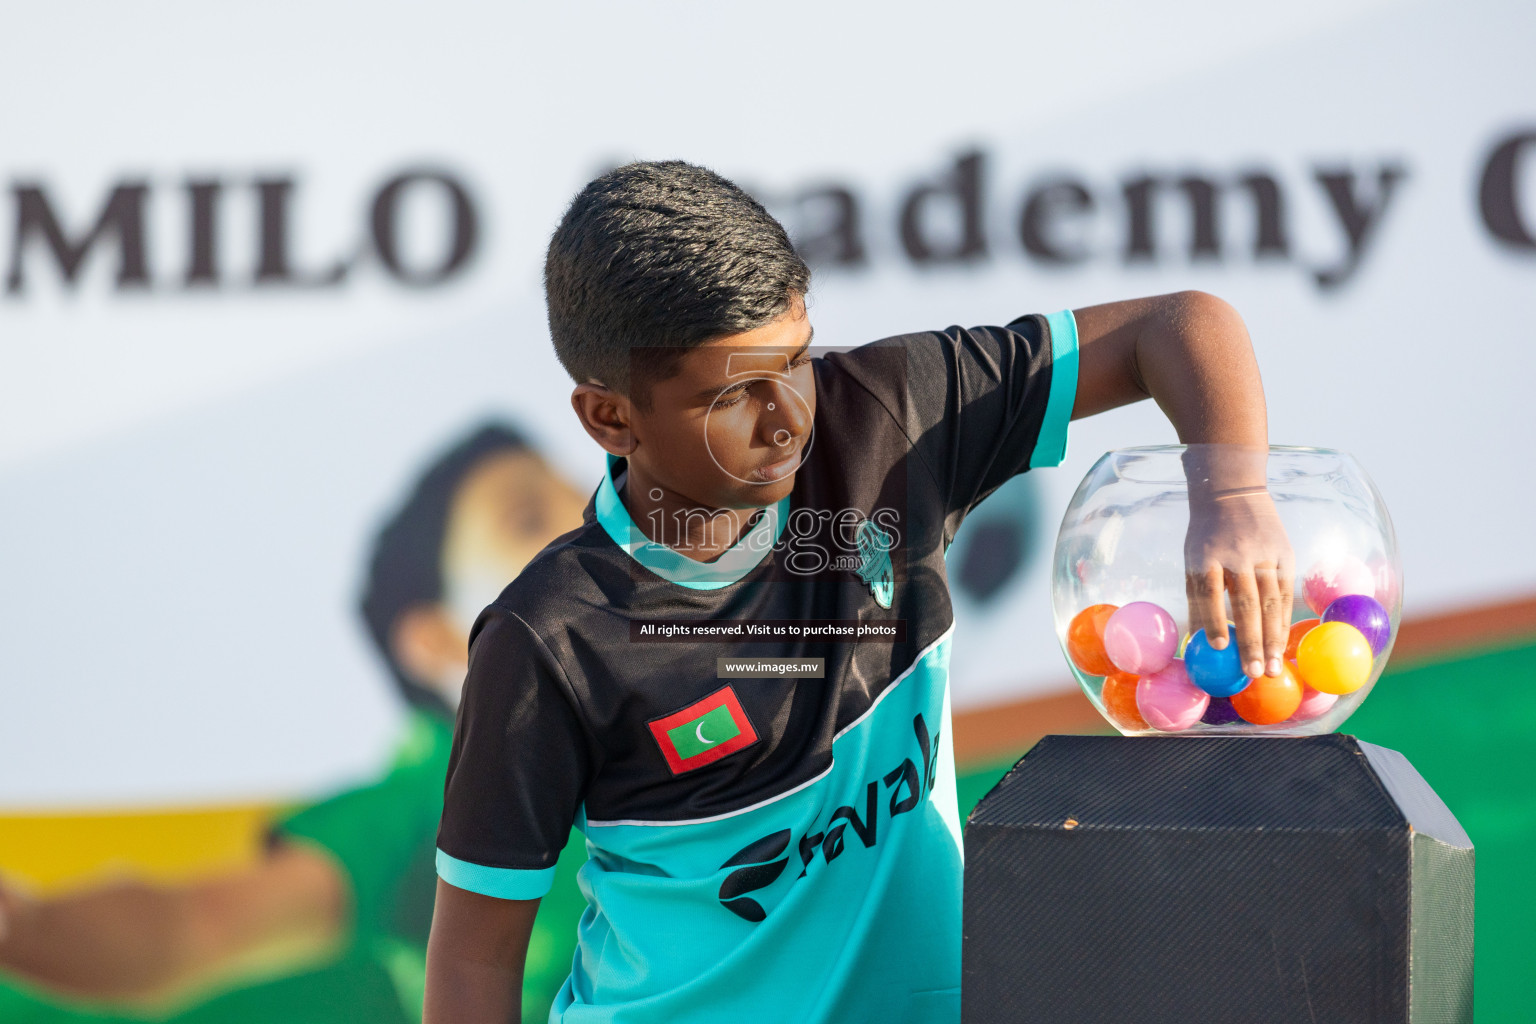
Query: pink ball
x=1314, y=704
x=1140, y=638
x=1388, y=588
x=1169, y=701
x=1333, y=578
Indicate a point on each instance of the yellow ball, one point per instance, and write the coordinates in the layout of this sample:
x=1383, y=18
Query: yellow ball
x=1334, y=657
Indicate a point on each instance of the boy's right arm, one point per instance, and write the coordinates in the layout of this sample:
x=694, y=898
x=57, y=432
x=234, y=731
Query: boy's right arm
x=475, y=957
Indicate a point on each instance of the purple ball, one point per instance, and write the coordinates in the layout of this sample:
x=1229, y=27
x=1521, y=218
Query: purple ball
x=1364, y=613
x=1220, y=712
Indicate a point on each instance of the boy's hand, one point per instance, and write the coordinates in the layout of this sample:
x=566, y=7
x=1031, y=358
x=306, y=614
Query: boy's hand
x=1190, y=352
x=1236, y=544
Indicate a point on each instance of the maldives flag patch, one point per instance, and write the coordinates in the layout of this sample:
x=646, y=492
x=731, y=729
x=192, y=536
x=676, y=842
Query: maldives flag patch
x=703, y=733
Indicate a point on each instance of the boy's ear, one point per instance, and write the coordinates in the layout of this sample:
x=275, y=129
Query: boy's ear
x=607, y=416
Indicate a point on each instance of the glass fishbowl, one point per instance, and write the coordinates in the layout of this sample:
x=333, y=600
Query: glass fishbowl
x=1120, y=592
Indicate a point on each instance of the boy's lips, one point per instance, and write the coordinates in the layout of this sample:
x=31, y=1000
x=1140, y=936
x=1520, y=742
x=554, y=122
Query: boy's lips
x=778, y=470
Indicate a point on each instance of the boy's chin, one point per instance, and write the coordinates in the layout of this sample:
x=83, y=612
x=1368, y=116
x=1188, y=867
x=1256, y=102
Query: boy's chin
x=764, y=494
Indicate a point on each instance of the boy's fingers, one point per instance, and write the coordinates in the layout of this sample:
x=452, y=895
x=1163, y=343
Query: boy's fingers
x=1287, y=580
x=1276, y=615
x=1205, y=609
x=1247, y=615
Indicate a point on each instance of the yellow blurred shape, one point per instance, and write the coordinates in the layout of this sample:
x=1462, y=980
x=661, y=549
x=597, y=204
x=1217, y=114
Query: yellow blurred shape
x=57, y=852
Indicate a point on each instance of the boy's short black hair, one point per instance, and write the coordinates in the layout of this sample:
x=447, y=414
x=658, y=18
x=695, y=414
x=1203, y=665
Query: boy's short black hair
x=662, y=256
x=406, y=569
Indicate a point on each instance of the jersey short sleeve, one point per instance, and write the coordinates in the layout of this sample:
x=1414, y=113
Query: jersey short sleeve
x=519, y=767
x=981, y=404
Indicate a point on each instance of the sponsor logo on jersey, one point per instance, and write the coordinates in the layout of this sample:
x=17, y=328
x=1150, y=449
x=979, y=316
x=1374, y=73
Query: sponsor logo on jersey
x=760, y=863
x=757, y=867
x=704, y=732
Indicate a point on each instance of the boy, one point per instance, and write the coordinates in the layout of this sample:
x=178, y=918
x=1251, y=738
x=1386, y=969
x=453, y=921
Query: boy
x=780, y=848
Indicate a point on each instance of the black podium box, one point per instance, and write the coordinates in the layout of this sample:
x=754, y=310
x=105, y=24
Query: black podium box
x=1244, y=879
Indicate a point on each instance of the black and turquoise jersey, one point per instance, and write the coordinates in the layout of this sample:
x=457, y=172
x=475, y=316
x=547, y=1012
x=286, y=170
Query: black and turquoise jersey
x=759, y=848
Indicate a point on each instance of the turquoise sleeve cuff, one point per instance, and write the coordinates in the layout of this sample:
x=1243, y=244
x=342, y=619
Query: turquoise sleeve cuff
x=503, y=883
x=1051, y=445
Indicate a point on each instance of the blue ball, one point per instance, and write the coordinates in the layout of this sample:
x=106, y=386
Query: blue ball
x=1218, y=673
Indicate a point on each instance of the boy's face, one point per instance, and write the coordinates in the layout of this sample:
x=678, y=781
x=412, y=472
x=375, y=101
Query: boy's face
x=731, y=427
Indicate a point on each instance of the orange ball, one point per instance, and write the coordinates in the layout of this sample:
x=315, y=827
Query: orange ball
x=1270, y=699
x=1119, y=697
x=1085, y=639
x=1298, y=631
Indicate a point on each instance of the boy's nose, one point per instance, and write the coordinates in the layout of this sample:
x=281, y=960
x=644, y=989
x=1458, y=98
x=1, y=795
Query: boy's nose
x=786, y=414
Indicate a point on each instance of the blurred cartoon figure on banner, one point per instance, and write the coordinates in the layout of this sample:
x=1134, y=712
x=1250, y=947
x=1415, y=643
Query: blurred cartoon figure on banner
x=994, y=550
x=312, y=914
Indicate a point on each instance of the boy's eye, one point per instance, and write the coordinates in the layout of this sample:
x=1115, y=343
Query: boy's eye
x=731, y=396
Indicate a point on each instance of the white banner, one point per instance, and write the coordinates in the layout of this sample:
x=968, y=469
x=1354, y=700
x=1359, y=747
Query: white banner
x=252, y=293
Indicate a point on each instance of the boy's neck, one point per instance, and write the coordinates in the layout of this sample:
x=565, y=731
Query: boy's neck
x=702, y=534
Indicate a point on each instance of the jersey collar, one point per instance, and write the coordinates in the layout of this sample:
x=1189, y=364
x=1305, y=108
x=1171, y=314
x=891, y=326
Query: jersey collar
x=675, y=567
